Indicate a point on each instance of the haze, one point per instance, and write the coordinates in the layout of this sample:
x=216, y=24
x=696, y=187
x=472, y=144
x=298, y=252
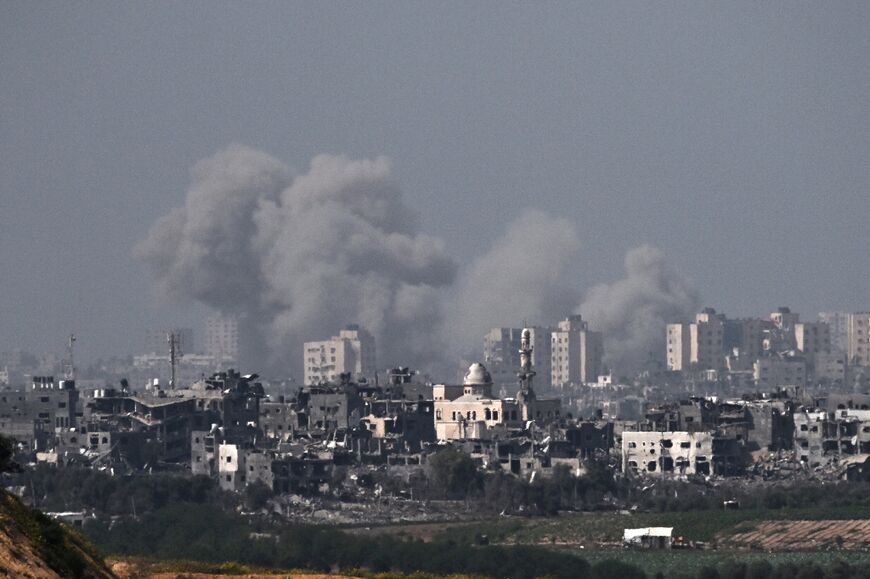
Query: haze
x=732, y=137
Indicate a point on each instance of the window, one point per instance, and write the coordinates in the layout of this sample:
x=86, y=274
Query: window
x=229, y=459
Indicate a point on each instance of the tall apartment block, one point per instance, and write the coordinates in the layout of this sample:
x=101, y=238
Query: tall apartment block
x=700, y=343
x=575, y=353
x=222, y=339
x=501, y=348
x=858, y=338
x=351, y=351
x=838, y=322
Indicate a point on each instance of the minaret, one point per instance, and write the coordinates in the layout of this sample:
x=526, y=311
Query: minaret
x=526, y=373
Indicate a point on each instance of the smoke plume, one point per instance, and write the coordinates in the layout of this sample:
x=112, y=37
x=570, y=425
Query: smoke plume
x=633, y=312
x=296, y=257
x=299, y=257
x=524, y=275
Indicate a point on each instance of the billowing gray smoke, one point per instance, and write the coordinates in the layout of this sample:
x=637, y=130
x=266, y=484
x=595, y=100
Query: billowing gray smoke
x=634, y=311
x=524, y=276
x=299, y=257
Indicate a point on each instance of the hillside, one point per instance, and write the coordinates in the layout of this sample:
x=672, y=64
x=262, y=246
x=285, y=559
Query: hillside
x=34, y=545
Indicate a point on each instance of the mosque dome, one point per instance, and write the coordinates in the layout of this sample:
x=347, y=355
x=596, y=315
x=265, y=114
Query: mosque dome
x=477, y=375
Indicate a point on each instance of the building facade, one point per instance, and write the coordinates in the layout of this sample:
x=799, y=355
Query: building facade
x=858, y=339
x=352, y=351
x=575, y=353
x=222, y=339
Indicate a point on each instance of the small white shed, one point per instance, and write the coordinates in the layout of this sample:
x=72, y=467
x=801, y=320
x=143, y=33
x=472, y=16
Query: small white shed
x=648, y=538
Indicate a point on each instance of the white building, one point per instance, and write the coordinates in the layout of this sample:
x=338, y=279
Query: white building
x=352, y=351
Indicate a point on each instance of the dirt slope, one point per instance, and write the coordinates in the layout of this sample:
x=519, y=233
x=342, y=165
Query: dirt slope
x=34, y=545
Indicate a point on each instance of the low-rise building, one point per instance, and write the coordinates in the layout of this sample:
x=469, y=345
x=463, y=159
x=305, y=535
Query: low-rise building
x=662, y=454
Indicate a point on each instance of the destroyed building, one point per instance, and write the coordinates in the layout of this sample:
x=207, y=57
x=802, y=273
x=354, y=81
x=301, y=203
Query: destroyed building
x=660, y=454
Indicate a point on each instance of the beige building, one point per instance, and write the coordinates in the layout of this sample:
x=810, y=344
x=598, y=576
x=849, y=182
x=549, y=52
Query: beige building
x=662, y=454
x=471, y=411
x=858, y=339
x=575, y=353
x=352, y=351
x=475, y=413
x=678, y=347
x=699, y=345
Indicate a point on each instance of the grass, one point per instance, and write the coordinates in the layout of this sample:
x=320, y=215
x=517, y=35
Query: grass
x=607, y=528
x=691, y=562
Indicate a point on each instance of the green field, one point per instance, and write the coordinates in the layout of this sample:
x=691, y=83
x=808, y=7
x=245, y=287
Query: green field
x=691, y=562
x=598, y=529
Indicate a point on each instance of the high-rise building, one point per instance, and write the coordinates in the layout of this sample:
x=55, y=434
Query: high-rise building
x=542, y=356
x=839, y=324
x=707, y=340
x=222, y=339
x=780, y=337
x=746, y=335
x=575, y=353
x=678, y=347
x=858, y=339
x=699, y=345
x=352, y=351
x=501, y=347
x=813, y=338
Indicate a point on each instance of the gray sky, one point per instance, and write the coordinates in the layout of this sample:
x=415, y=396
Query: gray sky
x=734, y=136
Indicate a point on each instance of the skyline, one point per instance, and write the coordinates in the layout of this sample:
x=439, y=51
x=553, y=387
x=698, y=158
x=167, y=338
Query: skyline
x=731, y=137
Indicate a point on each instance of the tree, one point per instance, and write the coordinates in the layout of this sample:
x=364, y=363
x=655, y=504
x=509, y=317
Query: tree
x=454, y=472
x=7, y=452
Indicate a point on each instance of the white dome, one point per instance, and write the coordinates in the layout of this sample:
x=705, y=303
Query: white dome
x=477, y=375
